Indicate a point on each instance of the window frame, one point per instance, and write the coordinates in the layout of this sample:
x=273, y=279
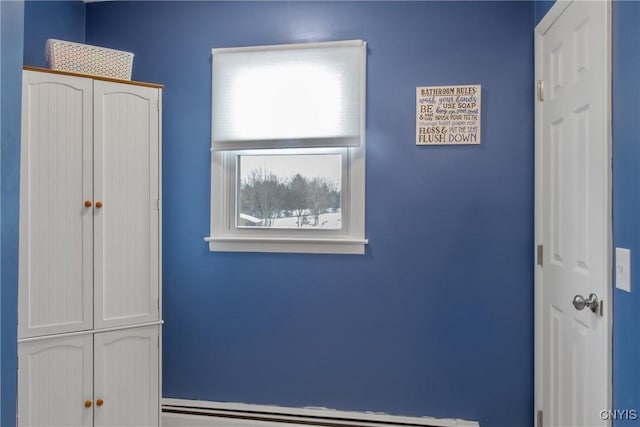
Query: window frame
x=225, y=236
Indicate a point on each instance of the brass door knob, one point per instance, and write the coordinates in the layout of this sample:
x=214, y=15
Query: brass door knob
x=99, y=402
x=88, y=203
x=87, y=404
x=98, y=205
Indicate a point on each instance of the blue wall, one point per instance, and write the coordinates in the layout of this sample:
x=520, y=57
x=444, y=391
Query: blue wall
x=626, y=202
x=436, y=319
x=11, y=49
x=541, y=7
x=64, y=20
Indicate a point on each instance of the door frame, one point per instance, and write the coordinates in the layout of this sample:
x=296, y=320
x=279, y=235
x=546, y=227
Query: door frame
x=540, y=30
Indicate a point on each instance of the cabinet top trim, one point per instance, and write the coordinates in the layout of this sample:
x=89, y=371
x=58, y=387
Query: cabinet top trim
x=106, y=79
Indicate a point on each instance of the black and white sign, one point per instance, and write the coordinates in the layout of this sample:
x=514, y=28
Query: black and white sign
x=448, y=115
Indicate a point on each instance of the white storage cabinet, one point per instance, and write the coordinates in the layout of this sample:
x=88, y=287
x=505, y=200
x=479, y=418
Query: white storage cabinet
x=89, y=259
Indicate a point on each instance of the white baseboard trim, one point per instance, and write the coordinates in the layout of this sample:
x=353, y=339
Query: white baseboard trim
x=200, y=413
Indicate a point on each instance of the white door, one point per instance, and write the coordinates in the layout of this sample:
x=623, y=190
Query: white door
x=126, y=145
x=56, y=228
x=573, y=218
x=126, y=380
x=56, y=387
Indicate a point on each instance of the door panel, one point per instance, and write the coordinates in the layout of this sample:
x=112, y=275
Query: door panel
x=56, y=229
x=126, y=183
x=127, y=377
x=55, y=377
x=575, y=216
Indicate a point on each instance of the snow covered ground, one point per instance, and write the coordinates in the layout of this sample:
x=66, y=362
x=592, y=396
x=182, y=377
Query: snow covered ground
x=325, y=221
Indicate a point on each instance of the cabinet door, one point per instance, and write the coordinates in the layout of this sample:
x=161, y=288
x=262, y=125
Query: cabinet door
x=56, y=228
x=127, y=377
x=54, y=382
x=126, y=145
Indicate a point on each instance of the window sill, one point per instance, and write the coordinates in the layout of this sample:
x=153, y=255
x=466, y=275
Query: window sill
x=287, y=245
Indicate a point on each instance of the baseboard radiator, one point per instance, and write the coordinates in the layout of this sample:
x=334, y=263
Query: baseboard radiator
x=196, y=413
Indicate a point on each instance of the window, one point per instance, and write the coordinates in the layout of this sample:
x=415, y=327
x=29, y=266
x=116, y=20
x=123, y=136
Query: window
x=290, y=191
x=288, y=148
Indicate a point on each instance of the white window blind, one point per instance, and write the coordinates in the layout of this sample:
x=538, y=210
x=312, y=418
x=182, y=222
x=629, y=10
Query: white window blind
x=288, y=96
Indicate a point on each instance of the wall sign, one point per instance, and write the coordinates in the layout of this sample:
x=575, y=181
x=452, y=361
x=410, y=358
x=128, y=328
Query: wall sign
x=448, y=115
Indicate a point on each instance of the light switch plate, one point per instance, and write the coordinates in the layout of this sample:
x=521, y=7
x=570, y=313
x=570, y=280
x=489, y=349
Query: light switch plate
x=623, y=269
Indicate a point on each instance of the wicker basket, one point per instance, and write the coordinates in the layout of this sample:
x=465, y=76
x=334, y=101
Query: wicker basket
x=86, y=59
